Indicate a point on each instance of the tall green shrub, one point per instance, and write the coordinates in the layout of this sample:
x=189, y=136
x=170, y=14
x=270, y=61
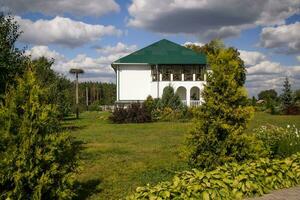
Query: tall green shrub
x=37, y=161
x=170, y=99
x=286, y=97
x=217, y=136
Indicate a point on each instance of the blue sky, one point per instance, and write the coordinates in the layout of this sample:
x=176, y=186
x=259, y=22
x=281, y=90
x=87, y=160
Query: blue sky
x=91, y=34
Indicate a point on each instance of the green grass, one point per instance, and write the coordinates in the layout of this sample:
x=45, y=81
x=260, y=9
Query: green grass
x=119, y=157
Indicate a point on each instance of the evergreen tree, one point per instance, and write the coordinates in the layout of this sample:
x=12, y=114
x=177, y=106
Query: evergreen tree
x=287, y=96
x=37, y=161
x=170, y=99
x=217, y=136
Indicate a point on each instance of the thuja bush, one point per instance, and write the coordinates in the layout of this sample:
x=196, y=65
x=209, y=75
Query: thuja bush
x=134, y=113
x=218, y=133
x=231, y=181
x=37, y=161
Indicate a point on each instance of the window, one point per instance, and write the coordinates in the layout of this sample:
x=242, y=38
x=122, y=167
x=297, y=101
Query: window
x=199, y=71
x=154, y=73
x=188, y=73
x=166, y=72
x=177, y=72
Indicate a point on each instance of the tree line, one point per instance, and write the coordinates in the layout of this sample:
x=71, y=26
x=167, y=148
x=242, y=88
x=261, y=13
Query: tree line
x=288, y=102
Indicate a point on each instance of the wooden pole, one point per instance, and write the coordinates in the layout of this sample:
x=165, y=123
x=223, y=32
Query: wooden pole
x=77, y=108
x=87, y=97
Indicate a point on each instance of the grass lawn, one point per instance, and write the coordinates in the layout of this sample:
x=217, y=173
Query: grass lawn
x=118, y=158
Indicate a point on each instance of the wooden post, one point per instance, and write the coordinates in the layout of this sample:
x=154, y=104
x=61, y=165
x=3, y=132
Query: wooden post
x=87, y=97
x=77, y=108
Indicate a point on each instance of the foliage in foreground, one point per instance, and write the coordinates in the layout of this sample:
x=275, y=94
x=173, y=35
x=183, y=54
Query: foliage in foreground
x=218, y=134
x=231, y=181
x=12, y=59
x=279, y=142
x=36, y=160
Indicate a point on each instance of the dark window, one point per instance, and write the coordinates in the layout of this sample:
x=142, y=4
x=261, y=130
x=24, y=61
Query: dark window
x=166, y=72
x=188, y=73
x=199, y=71
x=154, y=73
x=177, y=73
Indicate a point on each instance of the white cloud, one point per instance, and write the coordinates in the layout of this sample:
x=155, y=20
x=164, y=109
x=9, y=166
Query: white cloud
x=96, y=69
x=60, y=7
x=209, y=19
x=270, y=75
x=193, y=43
x=266, y=67
x=251, y=57
x=44, y=51
x=119, y=50
x=62, y=31
x=284, y=38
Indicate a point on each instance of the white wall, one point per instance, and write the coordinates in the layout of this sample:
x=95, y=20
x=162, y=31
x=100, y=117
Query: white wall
x=134, y=82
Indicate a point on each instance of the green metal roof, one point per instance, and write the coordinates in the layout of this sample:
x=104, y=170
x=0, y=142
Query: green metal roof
x=164, y=52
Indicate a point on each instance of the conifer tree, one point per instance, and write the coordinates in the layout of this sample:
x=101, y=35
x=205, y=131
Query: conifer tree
x=287, y=96
x=170, y=99
x=217, y=136
x=37, y=161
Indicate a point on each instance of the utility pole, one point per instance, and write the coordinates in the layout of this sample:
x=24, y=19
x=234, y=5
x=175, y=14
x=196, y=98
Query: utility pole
x=76, y=72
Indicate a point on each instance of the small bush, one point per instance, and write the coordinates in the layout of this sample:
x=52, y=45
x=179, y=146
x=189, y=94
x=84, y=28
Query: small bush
x=280, y=142
x=134, y=113
x=207, y=152
x=95, y=106
x=231, y=181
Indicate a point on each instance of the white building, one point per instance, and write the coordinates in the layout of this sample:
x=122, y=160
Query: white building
x=149, y=70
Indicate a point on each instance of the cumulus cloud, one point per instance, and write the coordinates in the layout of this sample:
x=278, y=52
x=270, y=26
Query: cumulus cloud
x=284, y=38
x=251, y=57
x=119, y=50
x=193, y=43
x=44, y=51
x=209, y=19
x=60, y=7
x=263, y=74
x=62, y=31
x=96, y=69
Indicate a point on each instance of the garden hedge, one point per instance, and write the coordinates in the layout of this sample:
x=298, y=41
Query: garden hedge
x=230, y=181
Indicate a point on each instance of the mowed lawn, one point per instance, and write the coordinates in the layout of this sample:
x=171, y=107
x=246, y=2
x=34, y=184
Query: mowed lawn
x=119, y=157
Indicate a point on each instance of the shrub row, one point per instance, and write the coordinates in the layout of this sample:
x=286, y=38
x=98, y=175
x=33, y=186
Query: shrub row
x=230, y=181
x=134, y=113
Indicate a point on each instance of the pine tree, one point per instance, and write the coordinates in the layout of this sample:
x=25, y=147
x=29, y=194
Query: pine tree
x=217, y=136
x=37, y=161
x=287, y=96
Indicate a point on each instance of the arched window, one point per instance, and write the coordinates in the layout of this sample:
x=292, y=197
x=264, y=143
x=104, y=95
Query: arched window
x=181, y=92
x=195, y=94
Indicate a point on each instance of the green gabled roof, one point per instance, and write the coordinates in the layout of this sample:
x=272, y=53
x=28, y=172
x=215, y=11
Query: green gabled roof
x=164, y=52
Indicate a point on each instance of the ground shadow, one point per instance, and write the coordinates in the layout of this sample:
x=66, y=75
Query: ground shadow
x=73, y=127
x=87, y=188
